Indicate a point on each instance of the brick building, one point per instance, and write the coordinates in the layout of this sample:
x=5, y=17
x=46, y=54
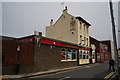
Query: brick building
x=9, y=55
x=103, y=49
x=97, y=50
x=36, y=53
x=110, y=47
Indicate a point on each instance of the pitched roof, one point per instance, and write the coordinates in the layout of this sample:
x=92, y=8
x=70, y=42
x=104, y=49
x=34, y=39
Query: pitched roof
x=81, y=19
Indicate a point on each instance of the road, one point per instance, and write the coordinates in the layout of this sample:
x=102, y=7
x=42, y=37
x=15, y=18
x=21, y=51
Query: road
x=97, y=72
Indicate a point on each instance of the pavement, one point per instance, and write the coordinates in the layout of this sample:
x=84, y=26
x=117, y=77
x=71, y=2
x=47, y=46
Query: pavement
x=4, y=77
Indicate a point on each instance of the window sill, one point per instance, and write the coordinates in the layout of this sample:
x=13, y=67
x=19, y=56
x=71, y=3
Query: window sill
x=68, y=60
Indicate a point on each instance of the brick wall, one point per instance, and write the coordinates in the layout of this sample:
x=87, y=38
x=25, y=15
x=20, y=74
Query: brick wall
x=9, y=55
x=48, y=57
x=26, y=56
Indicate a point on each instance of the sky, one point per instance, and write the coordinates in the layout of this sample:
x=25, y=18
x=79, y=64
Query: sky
x=23, y=18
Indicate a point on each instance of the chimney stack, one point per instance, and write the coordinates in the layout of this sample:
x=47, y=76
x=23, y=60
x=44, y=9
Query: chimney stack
x=65, y=10
x=51, y=22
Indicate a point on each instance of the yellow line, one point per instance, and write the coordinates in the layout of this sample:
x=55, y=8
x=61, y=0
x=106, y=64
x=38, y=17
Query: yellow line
x=57, y=72
x=109, y=75
x=52, y=73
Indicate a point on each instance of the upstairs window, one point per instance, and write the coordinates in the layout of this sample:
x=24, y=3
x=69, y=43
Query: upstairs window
x=87, y=41
x=84, y=40
x=80, y=26
x=80, y=39
x=87, y=30
x=84, y=27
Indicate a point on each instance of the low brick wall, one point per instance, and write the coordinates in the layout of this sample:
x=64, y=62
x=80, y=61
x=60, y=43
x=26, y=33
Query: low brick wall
x=47, y=57
x=9, y=69
x=26, y=69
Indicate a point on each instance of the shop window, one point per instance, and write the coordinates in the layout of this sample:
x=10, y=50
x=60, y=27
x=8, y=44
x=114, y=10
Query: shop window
x=63, y=54
x=69, y=55
x=80, y=56
x=74, y=56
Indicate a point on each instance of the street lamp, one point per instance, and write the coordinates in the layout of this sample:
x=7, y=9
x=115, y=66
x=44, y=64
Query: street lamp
x=114, y=40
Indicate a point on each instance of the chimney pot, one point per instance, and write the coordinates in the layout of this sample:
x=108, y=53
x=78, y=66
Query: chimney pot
x=51, y=22
x=65, y=10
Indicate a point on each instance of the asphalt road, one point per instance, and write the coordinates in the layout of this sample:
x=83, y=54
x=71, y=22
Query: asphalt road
x=97, y=72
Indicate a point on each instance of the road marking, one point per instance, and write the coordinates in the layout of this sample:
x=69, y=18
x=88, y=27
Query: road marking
x=51, y=73
x=64, y=78
x=109, y=75
x=82, y=67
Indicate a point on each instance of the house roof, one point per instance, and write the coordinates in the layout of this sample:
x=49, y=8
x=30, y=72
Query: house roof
x=7, y=38
x=25, y=37
x=81, y=19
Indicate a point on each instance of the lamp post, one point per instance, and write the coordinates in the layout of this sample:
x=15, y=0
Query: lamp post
x=114, y=40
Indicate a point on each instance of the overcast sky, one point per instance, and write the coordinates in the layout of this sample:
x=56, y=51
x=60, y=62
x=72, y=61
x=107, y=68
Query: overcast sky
x=23, y=18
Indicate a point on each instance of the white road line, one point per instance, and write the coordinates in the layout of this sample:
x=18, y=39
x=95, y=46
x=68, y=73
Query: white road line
x=64, y=78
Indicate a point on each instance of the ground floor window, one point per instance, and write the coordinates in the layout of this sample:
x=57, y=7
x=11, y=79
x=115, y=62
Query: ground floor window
x=87, y=56
x=68, y=54
x=63, y=54
x=74, y=56
x=83, y=55
x=80, y=55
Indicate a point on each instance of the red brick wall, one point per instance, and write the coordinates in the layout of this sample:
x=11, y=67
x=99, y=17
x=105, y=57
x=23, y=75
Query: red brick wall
x=9, y=50
x=26, y=57
x=26, y=53
x=47, y=58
